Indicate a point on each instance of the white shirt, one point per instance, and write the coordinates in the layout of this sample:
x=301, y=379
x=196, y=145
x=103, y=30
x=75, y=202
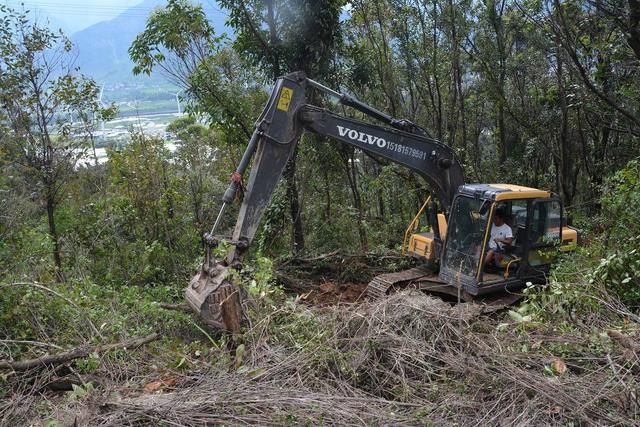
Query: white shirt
x=500, y=232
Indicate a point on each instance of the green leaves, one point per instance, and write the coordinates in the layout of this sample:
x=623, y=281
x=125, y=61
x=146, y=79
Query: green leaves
x=180, y=28
x=621, y=202
x=620, y=272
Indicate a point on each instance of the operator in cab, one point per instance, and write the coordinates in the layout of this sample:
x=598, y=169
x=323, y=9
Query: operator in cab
x=501, y=236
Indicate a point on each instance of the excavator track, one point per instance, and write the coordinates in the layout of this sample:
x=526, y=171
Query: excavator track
x=381, y=285
x=424, y=279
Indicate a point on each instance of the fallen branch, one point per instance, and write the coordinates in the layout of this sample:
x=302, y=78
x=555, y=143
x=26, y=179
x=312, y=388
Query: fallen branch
x=296, y=260
x=77, y=353
x=294, y=284
x=177, y=307
x=66, y=383
x=319, y=257
x=337, y=255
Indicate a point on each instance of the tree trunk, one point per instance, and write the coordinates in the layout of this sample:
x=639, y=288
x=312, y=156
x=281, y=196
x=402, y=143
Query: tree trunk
x=458, y=96
x=502, y=136
x=463, y=118
x=435, y=72
x=294, y=204
x=53, y=233
x=327, y=192
x=496, y=18
x=567, y=158
x=352, y=177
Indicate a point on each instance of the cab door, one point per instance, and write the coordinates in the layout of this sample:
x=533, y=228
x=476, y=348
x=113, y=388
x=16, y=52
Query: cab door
x=544, y=231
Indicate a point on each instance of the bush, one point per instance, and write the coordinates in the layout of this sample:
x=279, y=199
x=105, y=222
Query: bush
x=620, y=271
x=81, y=312
x=568, y=295
x=621, y=203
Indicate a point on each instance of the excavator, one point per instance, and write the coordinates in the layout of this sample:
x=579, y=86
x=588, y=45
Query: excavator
x=459, y=215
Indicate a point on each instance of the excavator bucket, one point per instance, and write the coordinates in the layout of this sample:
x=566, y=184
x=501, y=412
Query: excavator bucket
x=214, y=297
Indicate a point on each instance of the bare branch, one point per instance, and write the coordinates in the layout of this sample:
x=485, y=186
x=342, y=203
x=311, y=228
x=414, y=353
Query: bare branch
x=67, y=356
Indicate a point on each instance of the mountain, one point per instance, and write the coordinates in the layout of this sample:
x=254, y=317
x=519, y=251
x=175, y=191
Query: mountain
x=102, y=47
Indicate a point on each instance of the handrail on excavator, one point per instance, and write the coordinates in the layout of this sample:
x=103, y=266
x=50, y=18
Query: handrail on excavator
x=412, y=226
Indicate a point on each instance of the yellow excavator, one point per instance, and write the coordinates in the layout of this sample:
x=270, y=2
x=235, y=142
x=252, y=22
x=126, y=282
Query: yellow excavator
x=459, y=216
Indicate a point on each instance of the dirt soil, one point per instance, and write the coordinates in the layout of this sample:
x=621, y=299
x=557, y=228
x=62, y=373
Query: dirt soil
x=333, y=293
x=334, y=278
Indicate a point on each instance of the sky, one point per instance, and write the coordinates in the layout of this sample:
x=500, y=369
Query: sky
x=75, y=15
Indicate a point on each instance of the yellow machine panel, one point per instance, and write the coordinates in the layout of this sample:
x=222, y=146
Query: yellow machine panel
x=568, y=243
x=569, y=239
x=442, y=225
x=422, y=245
x=519, y=192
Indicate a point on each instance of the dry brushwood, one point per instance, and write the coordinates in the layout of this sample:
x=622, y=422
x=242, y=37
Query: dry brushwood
x=405, y=360
x=221, y=398
x=76, y=353
x=411, y=344
x=624, y=341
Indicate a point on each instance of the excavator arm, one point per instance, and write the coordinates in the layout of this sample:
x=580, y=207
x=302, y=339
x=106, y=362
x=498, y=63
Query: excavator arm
x=276, y=135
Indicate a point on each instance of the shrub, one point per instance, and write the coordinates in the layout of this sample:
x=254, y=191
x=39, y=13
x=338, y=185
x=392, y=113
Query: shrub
x=620, y=271
x=621, y=202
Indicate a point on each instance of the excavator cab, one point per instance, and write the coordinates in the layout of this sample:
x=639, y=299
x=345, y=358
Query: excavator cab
x=539, y=232
x=456, y=251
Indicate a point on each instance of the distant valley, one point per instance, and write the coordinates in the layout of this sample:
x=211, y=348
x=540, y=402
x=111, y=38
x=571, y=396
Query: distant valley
x=102, y=53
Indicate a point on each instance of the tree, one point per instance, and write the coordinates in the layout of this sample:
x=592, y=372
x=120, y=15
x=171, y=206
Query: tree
x=276, y=36
x=196, y=155
x=281, y=36
x=595, y=94
x=179, y=42
x=38, y=88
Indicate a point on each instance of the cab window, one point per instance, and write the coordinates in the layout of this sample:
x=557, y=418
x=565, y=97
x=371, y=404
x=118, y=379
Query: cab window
x=466, y=230
x=545, y=231
x=545, y=223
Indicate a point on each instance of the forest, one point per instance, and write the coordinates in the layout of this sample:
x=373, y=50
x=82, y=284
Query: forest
x=95, y=257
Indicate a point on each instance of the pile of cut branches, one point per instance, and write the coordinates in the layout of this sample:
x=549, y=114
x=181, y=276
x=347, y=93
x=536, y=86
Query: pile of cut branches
x=468, y=371
x=409, y=359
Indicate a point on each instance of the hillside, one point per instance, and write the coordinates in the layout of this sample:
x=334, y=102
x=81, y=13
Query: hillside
x=440, y=229
x=102, y=48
